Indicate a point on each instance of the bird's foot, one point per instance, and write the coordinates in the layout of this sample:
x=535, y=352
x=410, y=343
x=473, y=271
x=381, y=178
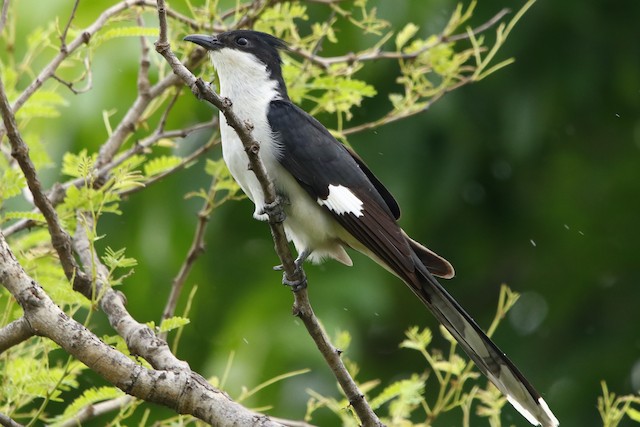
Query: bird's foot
x=301, y=281
x=297, y=263
x=274, y=211
x=295, y=284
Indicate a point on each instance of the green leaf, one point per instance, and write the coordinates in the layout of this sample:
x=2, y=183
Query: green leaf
x=417, y=339
x=172, y=323
x=406, y=34
x=116, y=259
x=132, y=31
x=634, y=414
x=160, y=165
x=90, y=199
x=11, y=183
x=454, y=366
x=446, y=334
x=224, y=181
x=341, y=94
x=404, y=395
x=78, y=165
x=89, y=397
x=32, y=216
x=342, y=340
x=43, y=103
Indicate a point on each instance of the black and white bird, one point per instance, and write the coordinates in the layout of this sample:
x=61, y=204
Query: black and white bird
x=332, y=200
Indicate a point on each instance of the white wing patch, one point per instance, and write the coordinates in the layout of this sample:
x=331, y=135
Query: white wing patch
x=341, y=200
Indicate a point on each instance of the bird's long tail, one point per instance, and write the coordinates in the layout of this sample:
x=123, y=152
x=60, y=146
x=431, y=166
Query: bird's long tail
x=486, y=355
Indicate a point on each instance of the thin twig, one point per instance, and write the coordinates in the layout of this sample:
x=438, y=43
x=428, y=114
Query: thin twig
x=63, y=36
x=87, y=75
x=196, y=249
x=59, y=237
x=143, y=70
x=350, y=58
x=302, y=308
x=480, y=28
x=183, y=164
x=56, y=195
x=393, y=116
x=14, y=333
x=4, y=14
x=94, y=410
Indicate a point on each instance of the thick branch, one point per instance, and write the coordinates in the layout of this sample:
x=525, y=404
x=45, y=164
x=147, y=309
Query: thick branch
x=179, y=388
x=139, y=337
x=14, y=333
x=5, y=421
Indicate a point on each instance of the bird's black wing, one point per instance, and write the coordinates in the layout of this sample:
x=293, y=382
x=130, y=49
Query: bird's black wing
x=317, y=161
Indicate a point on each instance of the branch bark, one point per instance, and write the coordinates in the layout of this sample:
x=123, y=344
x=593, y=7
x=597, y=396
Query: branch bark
x=14, y=333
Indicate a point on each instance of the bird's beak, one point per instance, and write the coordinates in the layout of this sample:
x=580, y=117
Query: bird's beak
x=207, y=42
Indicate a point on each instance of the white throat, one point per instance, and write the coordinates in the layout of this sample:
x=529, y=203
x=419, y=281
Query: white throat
x=244, y=79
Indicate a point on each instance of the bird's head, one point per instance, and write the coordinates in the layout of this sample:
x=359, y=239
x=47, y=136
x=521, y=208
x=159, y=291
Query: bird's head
x=244, y=54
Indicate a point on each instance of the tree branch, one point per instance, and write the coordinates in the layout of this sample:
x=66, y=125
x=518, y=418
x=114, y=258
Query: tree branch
x=92, y=411
x=59, y=237
x=56, y=195
x=5, y=421
x=63, y=36
x=83, y=38
x=140, y=339
x=14, y=333
x=302, y=307
x=178, y=388
x=350, y=58
x=196, y=249
x=3, y=14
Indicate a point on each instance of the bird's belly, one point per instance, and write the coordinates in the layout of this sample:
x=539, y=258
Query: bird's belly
x=309, y=226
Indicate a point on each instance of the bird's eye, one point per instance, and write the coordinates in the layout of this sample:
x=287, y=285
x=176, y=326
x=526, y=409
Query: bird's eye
x=241, y=41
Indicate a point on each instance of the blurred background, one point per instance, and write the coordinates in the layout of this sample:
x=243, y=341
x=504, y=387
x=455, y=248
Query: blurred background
x=530, y=178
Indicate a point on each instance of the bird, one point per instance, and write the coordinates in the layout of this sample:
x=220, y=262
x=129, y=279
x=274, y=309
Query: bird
x=332, y=200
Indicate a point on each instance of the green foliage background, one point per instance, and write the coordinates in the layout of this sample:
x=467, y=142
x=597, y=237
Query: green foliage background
x=530, y=177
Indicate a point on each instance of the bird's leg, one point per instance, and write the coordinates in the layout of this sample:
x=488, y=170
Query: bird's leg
x=301, y=282
x=302, y=257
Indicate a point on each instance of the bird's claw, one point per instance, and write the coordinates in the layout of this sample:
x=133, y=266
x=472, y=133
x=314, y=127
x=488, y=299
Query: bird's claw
x=297, y=284
x=274, y=211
